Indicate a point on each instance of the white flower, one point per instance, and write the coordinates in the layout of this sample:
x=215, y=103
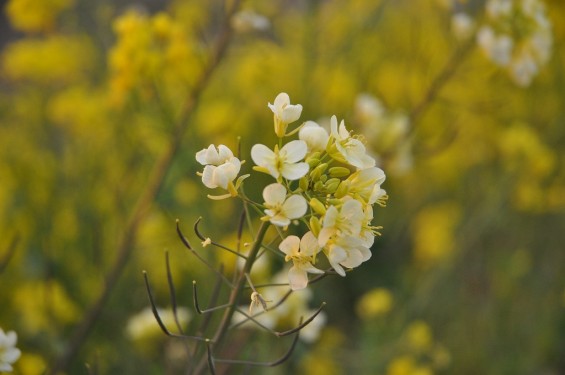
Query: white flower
x=284, y=113
x=366, y=184
x=280, y=209
x=301, y=252
x=345, y=221
x=351, y=149
x=221, y=167
x=462, y=25
x=143, y=325
x=347, y=251
x=247, y=20
x=314, y=135
x=8, y=351
x=499, y=8
x=283, y=162
x=498, y=48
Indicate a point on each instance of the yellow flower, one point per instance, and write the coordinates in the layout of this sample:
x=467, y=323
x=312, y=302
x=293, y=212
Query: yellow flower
x=56, y=59
x=375, y=302
x=35, y=15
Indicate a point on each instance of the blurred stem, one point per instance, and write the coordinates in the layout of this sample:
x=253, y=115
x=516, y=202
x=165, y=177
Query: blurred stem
x=236, y=293
x=145, y=201
x=441, y=80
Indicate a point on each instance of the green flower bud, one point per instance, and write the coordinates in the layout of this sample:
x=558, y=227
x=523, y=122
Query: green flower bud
x=324, y=178
x=319, y=186
x=303, y=183
x=332, y=185
x=315, y=225
x=342, y=190
x=317, y=206
x=312, y=162
x=339, y=172
x=318, y=171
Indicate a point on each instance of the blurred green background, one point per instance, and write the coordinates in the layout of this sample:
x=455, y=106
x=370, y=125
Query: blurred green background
x=469, y=274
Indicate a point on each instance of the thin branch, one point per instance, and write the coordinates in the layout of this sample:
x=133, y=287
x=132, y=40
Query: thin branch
x=210, y=358
x=277, y=362
x=187, y=245
x=302, y=325
x=197, y=305
x=203, y=238
x=158, y=317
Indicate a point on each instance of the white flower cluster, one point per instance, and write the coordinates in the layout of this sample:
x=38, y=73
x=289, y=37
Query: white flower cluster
x=387, y=132
x=326, y=180
x=8, y=351
x=516, y=36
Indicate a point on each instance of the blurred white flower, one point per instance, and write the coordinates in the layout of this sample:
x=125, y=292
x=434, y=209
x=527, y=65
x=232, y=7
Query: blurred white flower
x=248, y=20
x=462, y=25
x=351, y=149
x=283, y=162
x=284, y=113
x=221, y=167
x=143, y=325
x=314, y=135
x=301, y=252
x=8, y=351
x=497, y=47
x=280, y=209
x=517, y=36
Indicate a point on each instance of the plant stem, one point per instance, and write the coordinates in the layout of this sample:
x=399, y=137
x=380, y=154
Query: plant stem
x=236, y=292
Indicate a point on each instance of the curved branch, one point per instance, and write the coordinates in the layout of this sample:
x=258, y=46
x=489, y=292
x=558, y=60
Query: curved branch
x=158, y=317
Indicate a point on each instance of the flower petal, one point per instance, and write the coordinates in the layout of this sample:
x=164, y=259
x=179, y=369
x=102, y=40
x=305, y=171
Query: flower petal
x=294, y=172
x=279, y=220
x=290, y=245
x=281, y=101
x=295, y=206
x=208, y=177
x=262, y=155
x=291, y=113
x=294, y=151
x=309, y=244
x=298, y=279
x=274, y=194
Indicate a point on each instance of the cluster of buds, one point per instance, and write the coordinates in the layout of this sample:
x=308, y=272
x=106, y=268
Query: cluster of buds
x=324, y=181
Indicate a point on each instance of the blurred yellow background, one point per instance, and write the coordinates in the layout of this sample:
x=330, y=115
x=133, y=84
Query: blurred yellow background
x=104, y=104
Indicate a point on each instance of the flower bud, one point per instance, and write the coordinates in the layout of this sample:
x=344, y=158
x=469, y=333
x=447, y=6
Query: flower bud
x=303, y=183
x=318, y=171
x=332, y=185
x=317, y=206
x=315, y=225
x=342, y=190
x=339, y=172
x=319, y=186
x=312, y=162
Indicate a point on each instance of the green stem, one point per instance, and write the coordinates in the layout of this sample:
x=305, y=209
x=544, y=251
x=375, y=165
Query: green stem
x=238, y=289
